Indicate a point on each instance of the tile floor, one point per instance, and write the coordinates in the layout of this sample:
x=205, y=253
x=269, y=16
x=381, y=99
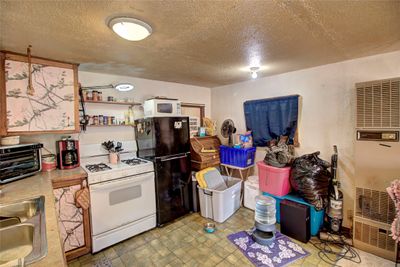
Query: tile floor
x=184, y=243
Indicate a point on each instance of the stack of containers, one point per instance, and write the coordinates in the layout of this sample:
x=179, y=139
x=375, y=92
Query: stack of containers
x=251, y=191
x=274, y=182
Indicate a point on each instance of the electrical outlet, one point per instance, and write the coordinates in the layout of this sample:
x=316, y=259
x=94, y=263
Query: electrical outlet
x=350, y=215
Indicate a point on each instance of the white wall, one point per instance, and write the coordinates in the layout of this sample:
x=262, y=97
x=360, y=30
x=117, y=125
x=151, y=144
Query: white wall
x=327, y=106
x=143, y=89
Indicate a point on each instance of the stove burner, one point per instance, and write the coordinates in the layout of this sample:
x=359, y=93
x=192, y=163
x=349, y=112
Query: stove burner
x=134, y=161
x=97, y=167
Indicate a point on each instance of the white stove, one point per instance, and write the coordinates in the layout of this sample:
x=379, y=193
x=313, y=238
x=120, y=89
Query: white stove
x=99, y=170
x=122, y=196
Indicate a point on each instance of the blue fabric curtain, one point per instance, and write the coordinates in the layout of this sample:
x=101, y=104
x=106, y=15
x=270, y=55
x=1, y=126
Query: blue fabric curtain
x=272, y=117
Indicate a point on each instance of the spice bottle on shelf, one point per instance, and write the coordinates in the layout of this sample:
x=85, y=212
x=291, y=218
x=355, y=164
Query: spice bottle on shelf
x=89, y=95
x=95, y=120
x=99, y=96
x=130, y=114
x=101, y=120
x=95, y=95
x=84, y=95
x=126, y=118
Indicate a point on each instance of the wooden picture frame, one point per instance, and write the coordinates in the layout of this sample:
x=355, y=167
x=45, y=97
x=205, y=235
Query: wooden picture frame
x=64, y=76
x=201, y=108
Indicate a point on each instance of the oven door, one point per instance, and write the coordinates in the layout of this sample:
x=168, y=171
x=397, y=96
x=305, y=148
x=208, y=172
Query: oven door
x=19, y=164
x=122, y=201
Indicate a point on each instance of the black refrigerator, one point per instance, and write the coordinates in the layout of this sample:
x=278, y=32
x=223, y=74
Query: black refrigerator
x=166, y=142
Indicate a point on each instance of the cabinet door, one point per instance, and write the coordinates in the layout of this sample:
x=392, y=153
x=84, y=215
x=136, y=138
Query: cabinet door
x=73, y=222
x=50, y=104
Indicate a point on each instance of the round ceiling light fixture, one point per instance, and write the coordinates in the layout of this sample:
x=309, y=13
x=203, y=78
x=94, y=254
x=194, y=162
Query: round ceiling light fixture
x=124, y=87
x=253, y=71
x=129, y=28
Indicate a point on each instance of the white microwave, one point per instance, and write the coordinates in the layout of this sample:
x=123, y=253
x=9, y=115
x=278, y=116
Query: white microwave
x=162, y=108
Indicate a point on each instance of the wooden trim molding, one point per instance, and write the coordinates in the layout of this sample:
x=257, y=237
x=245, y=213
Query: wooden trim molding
x=202, y=108
x=3, y=110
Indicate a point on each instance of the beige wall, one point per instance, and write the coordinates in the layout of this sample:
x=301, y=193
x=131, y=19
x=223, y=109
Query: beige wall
x=326, y=110
x=143, y=89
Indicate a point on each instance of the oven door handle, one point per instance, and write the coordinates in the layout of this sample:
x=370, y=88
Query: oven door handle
x=114, y=184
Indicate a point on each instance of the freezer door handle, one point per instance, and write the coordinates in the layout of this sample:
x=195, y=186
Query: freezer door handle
x=172, y=158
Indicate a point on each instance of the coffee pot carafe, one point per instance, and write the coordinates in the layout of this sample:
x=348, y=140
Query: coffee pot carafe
x=67, y=153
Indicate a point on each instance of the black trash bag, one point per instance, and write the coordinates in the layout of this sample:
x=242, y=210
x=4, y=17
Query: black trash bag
x=310, y=178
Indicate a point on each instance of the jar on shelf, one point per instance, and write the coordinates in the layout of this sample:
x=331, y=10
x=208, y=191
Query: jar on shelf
x=90, y=120
x=95, y=120
x=99, y=96
x=89, y=95
x=105, y=120
x=113, y=120
x=95, y=95
x=84, y=95
x=110, y=98
x=101, y=120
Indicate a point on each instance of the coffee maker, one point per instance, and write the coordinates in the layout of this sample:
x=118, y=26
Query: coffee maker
x=67, y=153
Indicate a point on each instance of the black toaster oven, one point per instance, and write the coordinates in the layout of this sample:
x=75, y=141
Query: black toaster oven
x=19, y=161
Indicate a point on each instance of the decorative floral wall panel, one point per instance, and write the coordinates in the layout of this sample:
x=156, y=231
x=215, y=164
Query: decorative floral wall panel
x=48, y=105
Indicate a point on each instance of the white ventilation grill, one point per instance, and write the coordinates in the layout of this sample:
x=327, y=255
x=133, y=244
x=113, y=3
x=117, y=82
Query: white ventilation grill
x=374, y=205
x=374, y=236
x=378, y=104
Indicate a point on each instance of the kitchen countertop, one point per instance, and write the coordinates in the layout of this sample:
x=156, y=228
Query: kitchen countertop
x=37, y=185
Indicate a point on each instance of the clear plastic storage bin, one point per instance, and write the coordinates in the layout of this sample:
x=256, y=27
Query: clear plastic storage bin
x=251, y=190
x=219, y=205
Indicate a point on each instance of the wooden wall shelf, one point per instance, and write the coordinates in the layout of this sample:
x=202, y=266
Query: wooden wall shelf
x=114, y=125
x=114, y=103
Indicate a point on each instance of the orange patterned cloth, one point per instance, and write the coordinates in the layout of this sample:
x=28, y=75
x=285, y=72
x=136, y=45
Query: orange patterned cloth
x=394, y=192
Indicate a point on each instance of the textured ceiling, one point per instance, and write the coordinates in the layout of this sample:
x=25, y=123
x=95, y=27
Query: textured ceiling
x=205, y=43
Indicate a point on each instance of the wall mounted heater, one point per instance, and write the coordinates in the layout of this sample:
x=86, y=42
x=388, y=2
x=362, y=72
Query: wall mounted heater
x=377, y=163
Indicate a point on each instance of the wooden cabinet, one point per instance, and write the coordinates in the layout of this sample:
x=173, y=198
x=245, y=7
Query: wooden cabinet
x=46, y=101
x=73, y=220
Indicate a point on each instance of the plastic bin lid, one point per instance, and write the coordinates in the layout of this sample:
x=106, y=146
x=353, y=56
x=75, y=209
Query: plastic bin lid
x=214, y=180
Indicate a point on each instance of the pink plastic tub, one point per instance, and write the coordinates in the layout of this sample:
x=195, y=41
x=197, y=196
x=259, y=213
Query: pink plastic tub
x=273, y=180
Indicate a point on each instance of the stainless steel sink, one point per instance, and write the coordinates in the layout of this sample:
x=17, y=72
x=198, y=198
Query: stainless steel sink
x=23, y=231
x=16, y=242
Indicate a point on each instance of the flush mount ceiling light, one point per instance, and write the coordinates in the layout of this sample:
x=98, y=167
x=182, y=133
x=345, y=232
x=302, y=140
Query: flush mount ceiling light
x=129, y=28
x=124, y=87
x=253, y=71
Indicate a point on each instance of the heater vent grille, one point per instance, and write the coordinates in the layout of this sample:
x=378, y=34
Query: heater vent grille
x=378, y=104
x=374, y=205
x=373, y=236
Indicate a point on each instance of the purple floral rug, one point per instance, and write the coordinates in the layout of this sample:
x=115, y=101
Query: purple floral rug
x=280, y=253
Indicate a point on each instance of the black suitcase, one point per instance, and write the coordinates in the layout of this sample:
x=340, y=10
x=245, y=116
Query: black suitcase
x=295, y=220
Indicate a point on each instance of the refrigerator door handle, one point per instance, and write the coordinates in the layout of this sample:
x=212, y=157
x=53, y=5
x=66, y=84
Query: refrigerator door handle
x=172, y=158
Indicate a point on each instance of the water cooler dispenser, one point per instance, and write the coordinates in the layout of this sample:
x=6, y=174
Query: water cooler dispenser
x=264, y=228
